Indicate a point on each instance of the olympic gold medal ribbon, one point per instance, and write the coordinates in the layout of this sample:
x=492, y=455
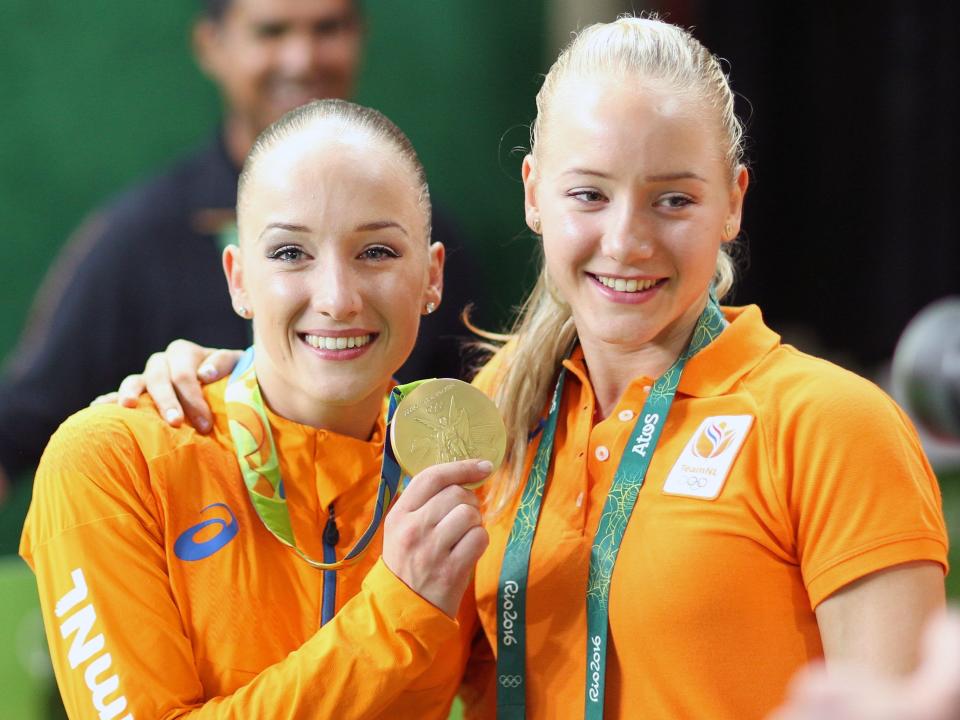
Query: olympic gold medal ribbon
x=260, y=466
x=446, y=420
x=629, y=477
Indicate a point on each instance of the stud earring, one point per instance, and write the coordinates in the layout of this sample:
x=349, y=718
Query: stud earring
x=429, y=308
x=243, y=312
x=535, y=225
x=727, y=231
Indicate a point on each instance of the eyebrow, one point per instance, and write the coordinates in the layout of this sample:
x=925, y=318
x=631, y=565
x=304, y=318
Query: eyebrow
x=365, y=227
x=380, y=225
x=664, y=177
x=585, y=171
x=288, y=227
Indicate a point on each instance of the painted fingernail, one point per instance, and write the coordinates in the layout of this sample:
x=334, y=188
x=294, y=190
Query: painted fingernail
x=172, y=415
x=484, y=466
x=207, y=372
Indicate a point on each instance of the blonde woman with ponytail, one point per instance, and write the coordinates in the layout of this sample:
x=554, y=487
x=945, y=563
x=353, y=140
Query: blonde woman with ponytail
x=716, y=509
x=689, y=510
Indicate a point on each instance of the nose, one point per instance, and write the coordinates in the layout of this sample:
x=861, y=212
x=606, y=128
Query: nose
x=338, y=292
x=628, y=238
x=298, y=54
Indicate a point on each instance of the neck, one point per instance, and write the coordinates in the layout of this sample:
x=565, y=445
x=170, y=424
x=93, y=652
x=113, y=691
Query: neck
x=613, y=366
x=238, y=137
x=356, y=419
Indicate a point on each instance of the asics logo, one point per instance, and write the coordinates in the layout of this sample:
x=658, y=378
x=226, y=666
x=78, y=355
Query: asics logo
x=187, y=547
x=511, y=681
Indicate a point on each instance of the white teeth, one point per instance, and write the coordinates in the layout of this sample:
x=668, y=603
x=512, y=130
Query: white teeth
x=336, y=343
x=621, y=285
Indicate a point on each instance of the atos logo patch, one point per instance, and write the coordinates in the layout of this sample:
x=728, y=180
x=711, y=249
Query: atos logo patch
x=187, y=547
x=713, y=439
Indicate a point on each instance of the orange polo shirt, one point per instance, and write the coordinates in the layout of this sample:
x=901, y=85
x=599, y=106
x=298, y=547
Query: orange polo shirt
x=164, y=596
x=779, y=478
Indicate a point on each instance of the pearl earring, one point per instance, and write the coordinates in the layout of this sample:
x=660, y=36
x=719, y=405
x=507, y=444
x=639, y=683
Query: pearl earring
x=430, y=307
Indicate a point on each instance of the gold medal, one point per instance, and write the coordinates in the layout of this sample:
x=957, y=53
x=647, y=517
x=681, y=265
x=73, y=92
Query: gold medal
x=446, y=420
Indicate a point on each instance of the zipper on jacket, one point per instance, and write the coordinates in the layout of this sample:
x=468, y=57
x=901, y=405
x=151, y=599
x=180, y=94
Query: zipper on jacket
x=331, y=536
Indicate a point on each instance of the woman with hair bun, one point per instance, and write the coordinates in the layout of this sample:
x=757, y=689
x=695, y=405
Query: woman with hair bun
x=689, y=510
x=224, y=575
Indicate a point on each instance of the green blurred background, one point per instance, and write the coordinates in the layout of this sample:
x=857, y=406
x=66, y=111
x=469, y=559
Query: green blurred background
x=103, y=92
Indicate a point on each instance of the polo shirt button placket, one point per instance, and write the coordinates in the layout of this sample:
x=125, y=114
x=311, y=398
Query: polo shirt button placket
x=625, y=415
x=601, y=453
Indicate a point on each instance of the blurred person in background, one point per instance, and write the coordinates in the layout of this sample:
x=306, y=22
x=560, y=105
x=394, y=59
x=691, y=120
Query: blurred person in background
x=146, y=269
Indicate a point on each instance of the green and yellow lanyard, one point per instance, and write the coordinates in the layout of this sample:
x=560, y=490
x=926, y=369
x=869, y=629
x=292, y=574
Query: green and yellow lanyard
x=260, y=468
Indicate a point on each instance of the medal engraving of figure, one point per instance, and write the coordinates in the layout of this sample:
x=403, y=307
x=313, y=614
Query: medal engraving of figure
x=443, y=421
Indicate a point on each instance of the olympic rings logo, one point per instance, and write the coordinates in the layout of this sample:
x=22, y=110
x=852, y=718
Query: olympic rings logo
x=511, y=681
x=695, y=481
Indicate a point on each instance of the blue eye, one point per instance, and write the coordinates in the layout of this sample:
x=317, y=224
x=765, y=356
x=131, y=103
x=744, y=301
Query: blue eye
x=378, y=252
x=286, y=253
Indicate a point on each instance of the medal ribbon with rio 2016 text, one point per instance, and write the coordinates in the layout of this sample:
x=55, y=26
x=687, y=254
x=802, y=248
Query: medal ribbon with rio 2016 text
x=629, y=477
x=260, y=465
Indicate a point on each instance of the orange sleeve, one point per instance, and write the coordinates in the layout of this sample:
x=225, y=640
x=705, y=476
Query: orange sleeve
x=117, y=641
x=478, y=690
x=862, y=496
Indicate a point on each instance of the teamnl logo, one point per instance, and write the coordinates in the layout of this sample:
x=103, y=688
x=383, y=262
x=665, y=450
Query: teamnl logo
x=713, y=439
x=78, y=619
x=702, y=468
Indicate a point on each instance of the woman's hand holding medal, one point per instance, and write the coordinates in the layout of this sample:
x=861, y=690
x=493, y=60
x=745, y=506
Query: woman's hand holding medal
x=433, y=535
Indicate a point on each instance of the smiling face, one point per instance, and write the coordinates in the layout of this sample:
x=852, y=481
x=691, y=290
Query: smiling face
x=335, y=265
x=270, y=56
x=634, y=199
